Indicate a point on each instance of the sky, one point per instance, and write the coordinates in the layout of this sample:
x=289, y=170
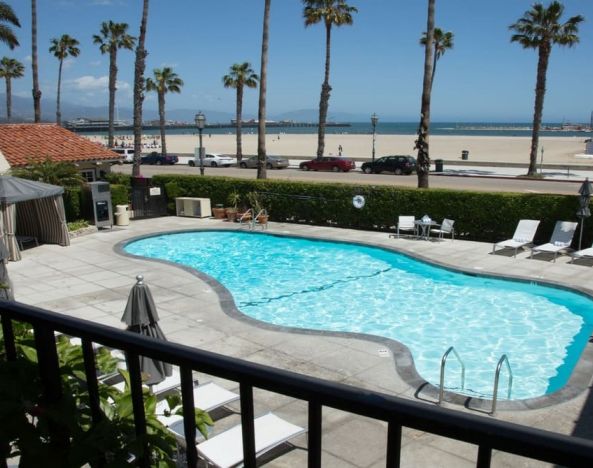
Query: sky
x=376, y=64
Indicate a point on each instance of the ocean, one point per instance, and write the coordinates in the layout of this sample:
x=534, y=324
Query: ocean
x=404, y=128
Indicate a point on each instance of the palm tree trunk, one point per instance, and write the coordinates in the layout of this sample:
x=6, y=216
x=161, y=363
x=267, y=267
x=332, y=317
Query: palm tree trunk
x=434, y=67
x=162, y=121
x=423, y=159
x=58, y=110
x=34, y=63
x=8, y=99
x=239, y=123
x=139, y=67
x=540, y=92
x=324, y=98
x=112, y=88
x=261, y=115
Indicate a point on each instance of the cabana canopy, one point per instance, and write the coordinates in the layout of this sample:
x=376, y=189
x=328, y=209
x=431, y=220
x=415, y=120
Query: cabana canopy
x=33, y=209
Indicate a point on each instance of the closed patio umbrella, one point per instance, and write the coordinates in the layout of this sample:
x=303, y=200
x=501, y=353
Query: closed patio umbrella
x=141, y=317
x=585, y=191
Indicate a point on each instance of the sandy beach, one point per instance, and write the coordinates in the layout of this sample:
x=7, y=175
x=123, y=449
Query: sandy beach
x=557, y=150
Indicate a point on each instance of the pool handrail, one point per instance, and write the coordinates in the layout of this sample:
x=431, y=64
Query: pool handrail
x=502, y=359
x=442, y=380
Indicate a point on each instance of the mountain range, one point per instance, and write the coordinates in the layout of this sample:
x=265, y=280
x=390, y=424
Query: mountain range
x=22, y=111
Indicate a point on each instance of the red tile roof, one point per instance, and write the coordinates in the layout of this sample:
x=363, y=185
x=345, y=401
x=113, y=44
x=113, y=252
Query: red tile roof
x=23, y=143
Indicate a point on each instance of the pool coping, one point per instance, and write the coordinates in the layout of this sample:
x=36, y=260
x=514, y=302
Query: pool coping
x=402, y=357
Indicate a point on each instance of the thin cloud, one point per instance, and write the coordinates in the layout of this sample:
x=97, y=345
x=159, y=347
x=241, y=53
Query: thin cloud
x=89, y=84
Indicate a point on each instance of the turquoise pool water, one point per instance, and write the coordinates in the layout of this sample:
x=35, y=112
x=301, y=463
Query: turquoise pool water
x=351, y=288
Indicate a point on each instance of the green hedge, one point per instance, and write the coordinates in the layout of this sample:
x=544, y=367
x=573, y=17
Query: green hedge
x=78, y=202
x=480, y=216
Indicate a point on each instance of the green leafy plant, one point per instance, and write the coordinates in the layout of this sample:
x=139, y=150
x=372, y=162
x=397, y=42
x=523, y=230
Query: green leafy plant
x=233, y=199
x=76, y=225
x=51, y=172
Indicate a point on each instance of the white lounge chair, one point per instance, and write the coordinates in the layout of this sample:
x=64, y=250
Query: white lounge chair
x=446, y=228
x=226, y=449
x=208, y=397
x=170, y=383
x=583, y=253
x=560, y=240
x=523, y=236
x=405, y=223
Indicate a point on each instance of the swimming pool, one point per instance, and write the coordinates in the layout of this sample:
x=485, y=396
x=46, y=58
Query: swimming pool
x=339, y=287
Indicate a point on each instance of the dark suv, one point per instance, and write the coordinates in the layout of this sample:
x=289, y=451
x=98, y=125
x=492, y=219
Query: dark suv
x=158, y=159
x=396, y=164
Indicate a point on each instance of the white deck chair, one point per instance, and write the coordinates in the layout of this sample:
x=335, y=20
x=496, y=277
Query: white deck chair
x=405, y=224
x=523, y=236
x=170, y=383
x=446, y=228
x=208, y=397
x=226, y=449
x=583, y=253
x=560, y=240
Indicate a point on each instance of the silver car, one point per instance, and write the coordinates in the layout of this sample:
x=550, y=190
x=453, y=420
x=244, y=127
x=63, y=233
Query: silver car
x=272, y=162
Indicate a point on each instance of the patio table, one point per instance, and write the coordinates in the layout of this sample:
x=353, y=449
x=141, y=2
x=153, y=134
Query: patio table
x=424, y=227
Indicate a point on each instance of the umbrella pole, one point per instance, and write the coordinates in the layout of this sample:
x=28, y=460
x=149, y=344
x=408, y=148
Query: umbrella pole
x=581, y=233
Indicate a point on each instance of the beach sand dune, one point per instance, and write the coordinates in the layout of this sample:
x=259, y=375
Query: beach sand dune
x=557, y=150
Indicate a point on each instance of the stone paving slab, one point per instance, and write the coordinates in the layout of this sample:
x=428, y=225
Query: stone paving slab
x=91, y=280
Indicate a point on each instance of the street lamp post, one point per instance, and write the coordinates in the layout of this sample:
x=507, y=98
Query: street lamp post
x=374, y=120
x=201, y=123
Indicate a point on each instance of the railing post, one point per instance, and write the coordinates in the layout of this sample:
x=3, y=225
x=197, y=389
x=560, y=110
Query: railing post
x=90, y=370
x=189, y=420
x=247, y=425
x=314, y=439
x=484, y=457
x=9, y=344
x=49, y=372
x=394, y=444
x=138, y=405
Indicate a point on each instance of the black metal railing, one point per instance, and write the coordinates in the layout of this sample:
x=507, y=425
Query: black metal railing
x=486, y=433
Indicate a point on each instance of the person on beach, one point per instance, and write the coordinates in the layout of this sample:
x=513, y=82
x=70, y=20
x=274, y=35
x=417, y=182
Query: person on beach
x=339, y=150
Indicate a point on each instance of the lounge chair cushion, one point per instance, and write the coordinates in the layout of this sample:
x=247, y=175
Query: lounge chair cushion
x=226, y=448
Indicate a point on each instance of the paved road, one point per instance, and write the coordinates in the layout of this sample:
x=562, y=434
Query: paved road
x=488, y=184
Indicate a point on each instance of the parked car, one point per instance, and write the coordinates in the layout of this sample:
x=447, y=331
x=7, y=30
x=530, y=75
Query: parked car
x=158, y=159
x=328, y=163
x=272, y=162
x=214, y=160
x=126, y=154
x=396, y=164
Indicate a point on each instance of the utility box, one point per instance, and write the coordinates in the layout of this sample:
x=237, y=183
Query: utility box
x=193, y=207
x=101, y=196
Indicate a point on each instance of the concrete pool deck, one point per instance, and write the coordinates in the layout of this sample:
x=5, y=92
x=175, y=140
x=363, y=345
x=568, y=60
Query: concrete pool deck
x=91, y=280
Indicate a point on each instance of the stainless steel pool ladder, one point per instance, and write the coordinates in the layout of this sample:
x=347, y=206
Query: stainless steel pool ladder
x=246, y=219
x=502, y=359
x=443, y=362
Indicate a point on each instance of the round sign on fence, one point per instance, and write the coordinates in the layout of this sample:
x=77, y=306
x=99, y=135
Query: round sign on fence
x=358, y=201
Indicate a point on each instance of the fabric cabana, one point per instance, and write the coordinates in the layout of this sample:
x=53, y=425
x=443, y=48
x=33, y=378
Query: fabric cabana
x=32, y=209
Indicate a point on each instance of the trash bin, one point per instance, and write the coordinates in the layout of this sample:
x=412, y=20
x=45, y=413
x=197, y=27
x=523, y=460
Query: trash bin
x=438, y=165
x=465, y=155
x=122, y=216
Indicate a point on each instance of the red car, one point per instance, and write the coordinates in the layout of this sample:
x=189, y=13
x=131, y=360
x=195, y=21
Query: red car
x=328, y=163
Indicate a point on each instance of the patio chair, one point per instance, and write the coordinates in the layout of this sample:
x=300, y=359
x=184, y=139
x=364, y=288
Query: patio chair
x=446, y=228
x=166, y=386
x=226, y=448
x=208, y=397
x=583, y=253
x=405, y=223
x=523, y=236
x=560, y=240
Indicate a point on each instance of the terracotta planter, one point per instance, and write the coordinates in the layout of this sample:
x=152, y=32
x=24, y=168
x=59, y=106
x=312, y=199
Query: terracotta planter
x=262, y=219
x=218, y=213
x=231, y=214
x=246, y=218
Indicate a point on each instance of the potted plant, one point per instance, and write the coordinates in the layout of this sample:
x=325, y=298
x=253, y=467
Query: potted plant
x=219, y=211
x=233, y=199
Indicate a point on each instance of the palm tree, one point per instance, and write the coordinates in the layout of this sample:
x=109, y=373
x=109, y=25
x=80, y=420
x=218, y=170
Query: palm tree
x=63, y=47
x=165, y=81
x=423, y=160
x=139, y=66
x=34, y=63
x=6, y=34
x=540, y=29
x=9, y=69
x=241, y=75
x=263, y=80
x=331, y=12
x=112, y=37
x=443, y=41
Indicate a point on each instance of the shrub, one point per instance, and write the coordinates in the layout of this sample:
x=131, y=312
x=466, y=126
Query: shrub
x=479, y=216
